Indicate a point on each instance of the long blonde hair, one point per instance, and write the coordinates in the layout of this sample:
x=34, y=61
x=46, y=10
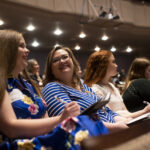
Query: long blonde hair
x=9, y=42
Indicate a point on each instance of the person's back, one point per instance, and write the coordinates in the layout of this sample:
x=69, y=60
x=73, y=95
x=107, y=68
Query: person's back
x=137, y=90
x=135, y=95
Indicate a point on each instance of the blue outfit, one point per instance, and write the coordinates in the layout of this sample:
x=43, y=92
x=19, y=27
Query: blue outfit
x=27, y=104
x=84, y=98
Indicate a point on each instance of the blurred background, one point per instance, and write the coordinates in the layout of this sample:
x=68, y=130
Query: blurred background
x=121, y=26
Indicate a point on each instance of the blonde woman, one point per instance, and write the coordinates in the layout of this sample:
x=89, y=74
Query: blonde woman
x=24, y=122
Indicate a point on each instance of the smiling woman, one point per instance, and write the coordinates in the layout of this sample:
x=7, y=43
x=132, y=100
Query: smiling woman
x=23, y=111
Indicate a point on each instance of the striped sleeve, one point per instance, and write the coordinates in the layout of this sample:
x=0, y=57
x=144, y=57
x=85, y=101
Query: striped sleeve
x=54, y=107
x=108, y=115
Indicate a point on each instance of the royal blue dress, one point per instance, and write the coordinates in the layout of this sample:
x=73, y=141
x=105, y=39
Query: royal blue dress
x=66, y=136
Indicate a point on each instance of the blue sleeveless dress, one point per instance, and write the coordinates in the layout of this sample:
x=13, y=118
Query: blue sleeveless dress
x=65, y=136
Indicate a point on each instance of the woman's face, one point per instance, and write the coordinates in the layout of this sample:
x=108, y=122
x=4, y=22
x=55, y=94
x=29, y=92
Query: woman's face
x=36, y=67
x=147, y=73
x=62, y=64
x=112, y=67
x=22, y=56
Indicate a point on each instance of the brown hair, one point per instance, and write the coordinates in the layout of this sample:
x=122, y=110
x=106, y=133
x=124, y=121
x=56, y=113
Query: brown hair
x=9, y=42
x=49, y=77
x=137, y=70
x=25, y=74
x=96, y=67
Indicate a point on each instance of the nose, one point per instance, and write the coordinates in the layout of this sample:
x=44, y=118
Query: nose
x=116, y=65
x=62, y=60
x=27, y=51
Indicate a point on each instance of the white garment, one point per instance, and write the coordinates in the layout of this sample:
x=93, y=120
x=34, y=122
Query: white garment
x=116, y=101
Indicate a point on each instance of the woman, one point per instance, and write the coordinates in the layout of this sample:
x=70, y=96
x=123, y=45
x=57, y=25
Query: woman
x=100, y=68
x=62, y=81
x=33, y=70
x=28, y=118
x=137, y=85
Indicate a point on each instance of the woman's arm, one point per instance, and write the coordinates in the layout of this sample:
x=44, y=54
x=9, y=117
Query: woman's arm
x=49, y=92
x=13, y=127
x=113, y=127
x=140, y=112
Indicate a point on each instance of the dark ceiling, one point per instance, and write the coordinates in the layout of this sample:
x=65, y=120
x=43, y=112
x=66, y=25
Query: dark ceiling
x=121, y=34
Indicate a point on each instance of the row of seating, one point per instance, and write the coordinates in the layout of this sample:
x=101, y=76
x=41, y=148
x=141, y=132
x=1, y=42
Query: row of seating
x=121, y=139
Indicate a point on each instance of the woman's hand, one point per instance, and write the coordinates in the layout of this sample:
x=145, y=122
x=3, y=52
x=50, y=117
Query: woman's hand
x=71, y=109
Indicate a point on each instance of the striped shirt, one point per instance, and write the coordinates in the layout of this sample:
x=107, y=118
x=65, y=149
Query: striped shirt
x=84, y=98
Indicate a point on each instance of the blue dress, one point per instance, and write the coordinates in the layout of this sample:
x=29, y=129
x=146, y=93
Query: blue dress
x=84, y=98
x=66, y=136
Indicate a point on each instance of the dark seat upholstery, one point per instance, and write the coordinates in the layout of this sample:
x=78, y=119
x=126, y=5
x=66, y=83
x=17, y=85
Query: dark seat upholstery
x=113, y=139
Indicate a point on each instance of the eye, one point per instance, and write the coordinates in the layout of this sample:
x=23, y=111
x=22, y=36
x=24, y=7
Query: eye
x=65, y=57
x=22, y=45
x=55, y=60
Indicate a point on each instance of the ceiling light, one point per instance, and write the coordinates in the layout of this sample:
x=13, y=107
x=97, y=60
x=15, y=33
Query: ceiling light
x=82, y=35
x=30, y=27
x=113, y=49
x=58, y=31
x=77, y=47
x=129, y=49
x=1, y=22
x=35, y=44
x=104, y=37
x=97, y=48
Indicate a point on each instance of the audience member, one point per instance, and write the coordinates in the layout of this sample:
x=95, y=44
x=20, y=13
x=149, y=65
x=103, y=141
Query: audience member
x=100, y=68
x=137, y=85
x=34, y=71
x=62, y=82
x=122, y=75
x=23, y=112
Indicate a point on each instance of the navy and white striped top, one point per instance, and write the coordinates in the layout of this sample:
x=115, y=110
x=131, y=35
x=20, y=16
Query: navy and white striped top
x=84, y=98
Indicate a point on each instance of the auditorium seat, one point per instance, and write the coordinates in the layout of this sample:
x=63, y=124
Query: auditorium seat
x=114, y=139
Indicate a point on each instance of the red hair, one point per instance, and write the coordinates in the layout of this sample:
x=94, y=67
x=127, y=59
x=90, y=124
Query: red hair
x=96, y=67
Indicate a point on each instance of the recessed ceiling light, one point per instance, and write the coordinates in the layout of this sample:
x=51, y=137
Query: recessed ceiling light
x=77, y=47
x=1, y=22
x=97, y=48
x=129, y=49
x=82, y=35
x=35, y=44
x=58, y=31
x=30, y=27
x=113, y=49
x=104, y=37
